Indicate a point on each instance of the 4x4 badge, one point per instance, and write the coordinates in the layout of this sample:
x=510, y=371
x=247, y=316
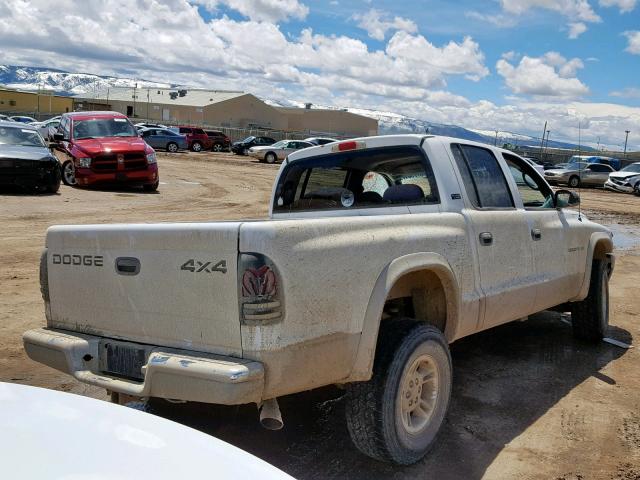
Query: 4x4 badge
x=195, y=266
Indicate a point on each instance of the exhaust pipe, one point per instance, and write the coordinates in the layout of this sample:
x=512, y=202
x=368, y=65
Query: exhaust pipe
x=270, y=417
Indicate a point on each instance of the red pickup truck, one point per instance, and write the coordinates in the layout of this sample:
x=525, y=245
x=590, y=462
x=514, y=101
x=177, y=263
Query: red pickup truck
x=99, y=148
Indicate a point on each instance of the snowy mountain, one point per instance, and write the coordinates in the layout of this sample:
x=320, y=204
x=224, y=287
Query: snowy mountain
x=66, y=83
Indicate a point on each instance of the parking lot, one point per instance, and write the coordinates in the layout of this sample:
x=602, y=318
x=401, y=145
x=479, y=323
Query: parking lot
x=528, y=400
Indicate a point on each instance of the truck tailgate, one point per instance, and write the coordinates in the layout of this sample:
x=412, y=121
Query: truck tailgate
x=169, y=284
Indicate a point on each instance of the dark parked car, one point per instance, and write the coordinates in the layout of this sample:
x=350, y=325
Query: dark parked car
x=198, y=140
x=23, y=119
x=25, y=160
x=164, y=139
x=220, y=141
x=242, y=147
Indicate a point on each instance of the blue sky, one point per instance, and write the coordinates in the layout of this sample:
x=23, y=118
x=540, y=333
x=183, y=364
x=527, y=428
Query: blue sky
x=493, y=64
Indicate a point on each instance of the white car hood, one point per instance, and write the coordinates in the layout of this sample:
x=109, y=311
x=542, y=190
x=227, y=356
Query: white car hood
x=623, y=175
x=56, y=435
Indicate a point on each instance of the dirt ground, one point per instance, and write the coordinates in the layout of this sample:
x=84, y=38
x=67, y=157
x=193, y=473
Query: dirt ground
x=528, y=401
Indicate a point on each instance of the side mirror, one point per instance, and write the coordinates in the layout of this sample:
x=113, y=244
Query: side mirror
x=566, y=198
x=58, y=137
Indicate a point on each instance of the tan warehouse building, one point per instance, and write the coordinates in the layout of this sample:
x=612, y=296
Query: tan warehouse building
x=221, y=108
x=33, y=103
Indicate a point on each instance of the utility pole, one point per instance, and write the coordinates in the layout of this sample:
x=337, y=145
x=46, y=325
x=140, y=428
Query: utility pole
x=544, y=131
x=135, y=89
x=625, y=143
x=495, y=142
x=546, y=145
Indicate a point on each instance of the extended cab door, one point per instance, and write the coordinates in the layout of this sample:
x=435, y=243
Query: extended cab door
x=501, y=233
x=550, y=233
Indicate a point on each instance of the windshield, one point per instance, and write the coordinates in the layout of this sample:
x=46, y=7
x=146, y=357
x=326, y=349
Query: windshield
x=103, y=127
x=20, y=136
x=248, y=139
x=279, y=144
x=575, y=166
x=634, y=167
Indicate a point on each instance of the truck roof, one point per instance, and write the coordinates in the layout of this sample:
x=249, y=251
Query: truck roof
x=383, y=141
x=94, y=114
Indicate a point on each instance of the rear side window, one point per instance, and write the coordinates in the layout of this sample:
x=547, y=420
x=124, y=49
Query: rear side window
x=381, y=177
x=601, y=168
x=199, y=131
x=483, y=179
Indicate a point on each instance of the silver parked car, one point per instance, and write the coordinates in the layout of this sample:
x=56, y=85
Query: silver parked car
x=48, y=127
x=579, y=173
x=320, y=140
x=279, y=150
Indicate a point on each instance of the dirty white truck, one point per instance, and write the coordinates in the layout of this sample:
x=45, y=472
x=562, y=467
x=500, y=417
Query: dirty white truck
x=378, y=253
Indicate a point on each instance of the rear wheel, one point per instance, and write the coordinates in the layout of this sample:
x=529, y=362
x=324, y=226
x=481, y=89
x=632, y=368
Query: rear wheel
x=270, y=157
x=196, y=146
x=396, y=416
x=590, y=317
x=69, y=173
x=574, y=181
x=172, y=147
x=217, y=147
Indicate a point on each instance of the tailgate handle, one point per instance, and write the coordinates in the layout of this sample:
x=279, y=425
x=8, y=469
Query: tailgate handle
x=127, y=265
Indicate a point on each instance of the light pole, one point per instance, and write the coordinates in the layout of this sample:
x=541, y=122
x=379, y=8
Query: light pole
x=495, y=142
x=625, y=143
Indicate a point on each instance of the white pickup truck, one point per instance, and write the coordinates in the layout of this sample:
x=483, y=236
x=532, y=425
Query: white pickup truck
x=378, y=253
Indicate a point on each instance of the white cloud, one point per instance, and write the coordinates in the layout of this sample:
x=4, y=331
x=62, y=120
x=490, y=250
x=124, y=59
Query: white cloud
x=147, y=38
x=551, y=75
x=261, y=10
x=629, y=92
x=576, y=29
x=625, y=6
x=574, y=9
x=377, y=24
x=633, y=38
x=577, y=13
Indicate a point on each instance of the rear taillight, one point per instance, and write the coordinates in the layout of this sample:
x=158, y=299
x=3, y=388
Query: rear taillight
x=260, y=296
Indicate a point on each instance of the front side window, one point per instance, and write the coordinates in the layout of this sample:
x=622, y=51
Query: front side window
x=535, y=193
x=482, y=176
x=381, y=177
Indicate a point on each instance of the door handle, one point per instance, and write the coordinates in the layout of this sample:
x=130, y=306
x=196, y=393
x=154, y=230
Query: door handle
x=536, y=234
x=486, y=238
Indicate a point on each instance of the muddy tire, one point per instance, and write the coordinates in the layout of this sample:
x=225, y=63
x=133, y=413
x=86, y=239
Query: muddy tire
x=590, y=317
x=574, y=181
x=393, y=417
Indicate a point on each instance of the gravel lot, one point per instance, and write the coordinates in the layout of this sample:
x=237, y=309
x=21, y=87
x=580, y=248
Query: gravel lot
x=528, y=400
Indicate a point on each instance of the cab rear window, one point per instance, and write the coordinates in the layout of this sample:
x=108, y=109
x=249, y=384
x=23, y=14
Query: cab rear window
x=371, y=178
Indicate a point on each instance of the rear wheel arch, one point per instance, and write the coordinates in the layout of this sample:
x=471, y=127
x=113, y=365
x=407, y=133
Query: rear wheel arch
x=422, y=276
